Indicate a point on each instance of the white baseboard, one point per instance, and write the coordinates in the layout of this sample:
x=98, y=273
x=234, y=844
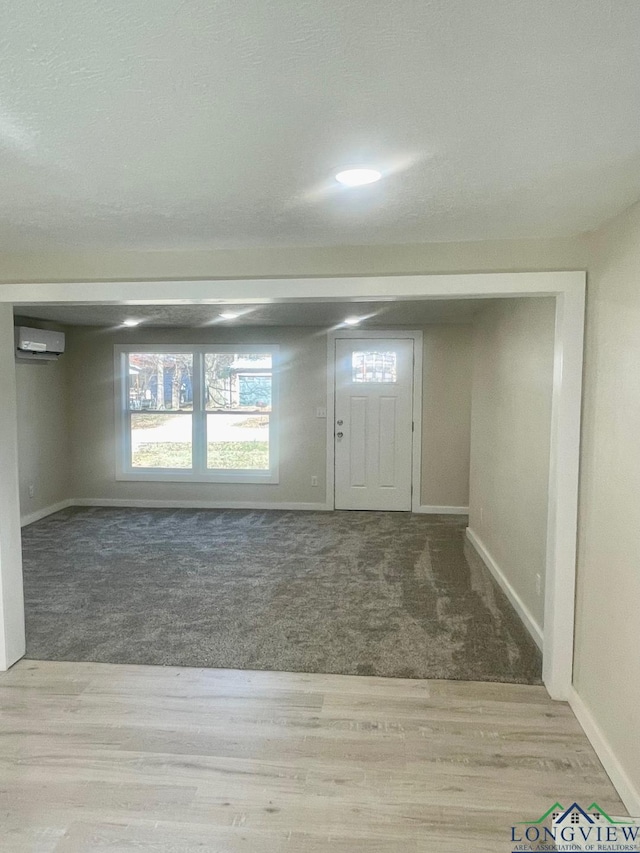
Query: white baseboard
x=30, y=517
x=143, y=503
x=442, y=510
x=168, y=504
x=629, y=794
x=523, y=611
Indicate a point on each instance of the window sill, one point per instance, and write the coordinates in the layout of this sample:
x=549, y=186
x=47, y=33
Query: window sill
x=163, y=476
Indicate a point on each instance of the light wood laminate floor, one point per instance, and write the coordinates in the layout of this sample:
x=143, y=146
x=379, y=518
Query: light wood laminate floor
x=99, y=757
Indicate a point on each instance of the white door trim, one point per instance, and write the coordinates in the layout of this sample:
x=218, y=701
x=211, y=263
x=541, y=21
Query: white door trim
x=354, y=334
x=567, y=287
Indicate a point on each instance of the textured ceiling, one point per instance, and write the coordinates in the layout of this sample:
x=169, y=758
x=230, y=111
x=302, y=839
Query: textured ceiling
x=206, y=123
x=320, y=314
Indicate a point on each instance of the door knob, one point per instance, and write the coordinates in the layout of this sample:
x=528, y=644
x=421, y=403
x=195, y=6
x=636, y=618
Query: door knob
x=339, y=423
x=339, y=434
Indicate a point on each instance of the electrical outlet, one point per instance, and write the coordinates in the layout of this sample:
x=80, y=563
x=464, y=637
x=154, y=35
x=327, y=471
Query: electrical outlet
x=539, y=585
x=32, y=490
x=321, y=412
x=314, y=480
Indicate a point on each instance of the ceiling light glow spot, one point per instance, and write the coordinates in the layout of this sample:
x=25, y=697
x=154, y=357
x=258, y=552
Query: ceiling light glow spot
x=132, y=322
x=353, y=321
x=229, y=315
x=358, y=177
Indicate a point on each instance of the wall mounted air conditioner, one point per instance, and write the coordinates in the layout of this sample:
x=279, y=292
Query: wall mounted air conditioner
x=38, y=344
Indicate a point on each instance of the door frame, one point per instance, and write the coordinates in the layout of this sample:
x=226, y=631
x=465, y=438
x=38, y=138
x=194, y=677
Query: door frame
x=416, y=442
x=567, y=287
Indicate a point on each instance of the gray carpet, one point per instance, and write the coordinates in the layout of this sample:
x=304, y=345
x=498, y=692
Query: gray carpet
x=365, y=593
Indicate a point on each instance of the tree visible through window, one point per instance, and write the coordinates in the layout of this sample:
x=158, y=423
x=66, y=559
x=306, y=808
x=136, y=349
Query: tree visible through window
x=160, y=382
x=193, y=411
x=238, y=404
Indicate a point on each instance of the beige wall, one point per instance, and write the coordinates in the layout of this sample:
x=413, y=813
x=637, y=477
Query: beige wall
x=446, y=415
x=446, y=400
x=43, y=434
x=490, y=256
x=302, y=434
x=510, y=432
x=607, y=663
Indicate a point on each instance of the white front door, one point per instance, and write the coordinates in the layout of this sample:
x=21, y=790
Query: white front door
x=373, y=423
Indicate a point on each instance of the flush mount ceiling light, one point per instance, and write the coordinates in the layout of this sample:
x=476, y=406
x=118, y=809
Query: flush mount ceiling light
x=131, y=322
x=358, y=177
x=229, y=315
x=353, y=321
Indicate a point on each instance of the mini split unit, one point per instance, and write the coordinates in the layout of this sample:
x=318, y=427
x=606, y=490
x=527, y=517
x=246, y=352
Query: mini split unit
x=38, y=344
